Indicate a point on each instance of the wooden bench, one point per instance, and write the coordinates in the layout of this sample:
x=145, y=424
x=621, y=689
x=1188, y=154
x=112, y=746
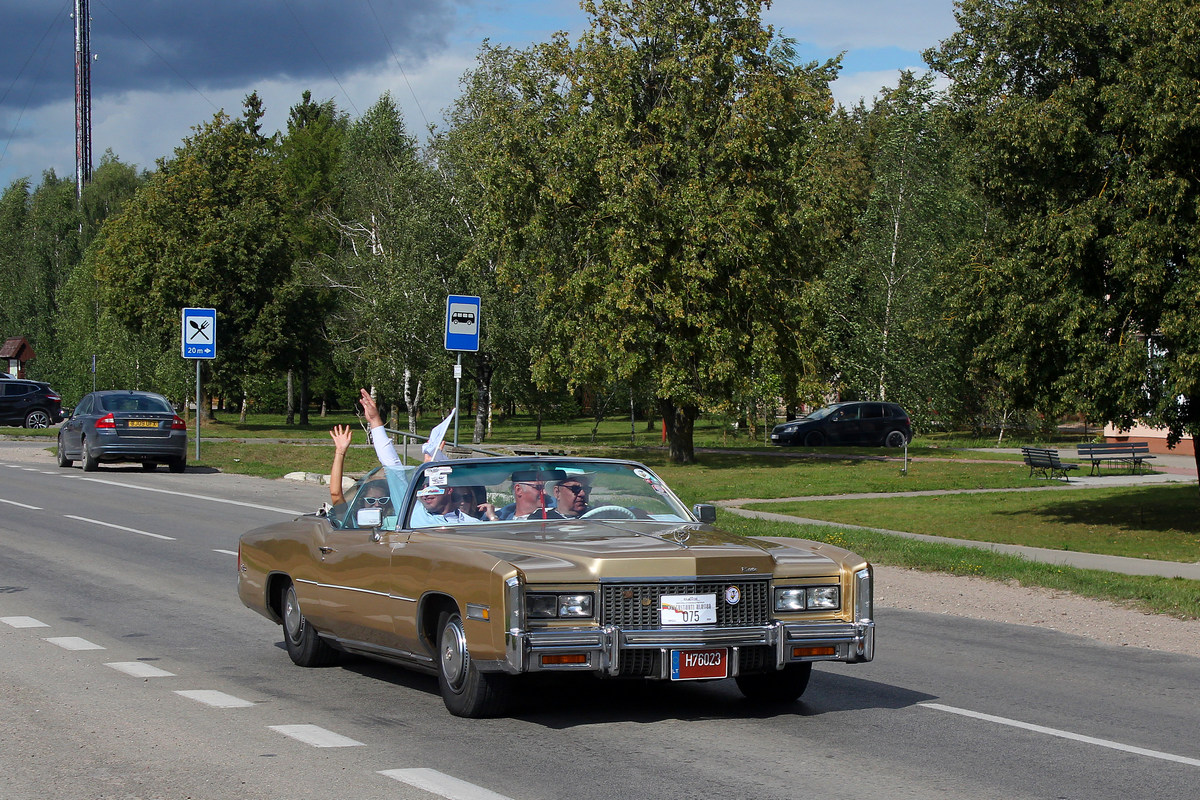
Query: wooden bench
x=1046, y=463
x=1131, y=453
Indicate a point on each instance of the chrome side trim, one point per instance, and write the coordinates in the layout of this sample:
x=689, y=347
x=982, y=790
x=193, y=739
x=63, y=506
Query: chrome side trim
x=357, y=590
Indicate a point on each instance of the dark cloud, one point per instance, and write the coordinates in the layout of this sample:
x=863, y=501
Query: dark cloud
x=157, y=45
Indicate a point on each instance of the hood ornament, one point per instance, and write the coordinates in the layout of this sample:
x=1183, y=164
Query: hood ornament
x=681, y=535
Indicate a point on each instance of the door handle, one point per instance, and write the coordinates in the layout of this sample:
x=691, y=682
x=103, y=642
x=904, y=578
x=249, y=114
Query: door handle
x=326, y=550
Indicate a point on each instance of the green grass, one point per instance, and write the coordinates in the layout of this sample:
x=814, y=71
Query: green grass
x=1158, y=522
x=1177, y=597
x=733, y=476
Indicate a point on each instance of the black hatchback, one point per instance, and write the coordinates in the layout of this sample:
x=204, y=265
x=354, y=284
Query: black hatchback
x=857, y=423
x=31, y=404
x=124, y=426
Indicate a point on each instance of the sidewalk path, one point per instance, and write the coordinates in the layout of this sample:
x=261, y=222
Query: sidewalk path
x=1121, y=564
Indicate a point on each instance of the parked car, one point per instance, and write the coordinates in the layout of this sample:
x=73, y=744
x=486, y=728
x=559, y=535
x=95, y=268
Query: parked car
x=855, y=423
x=633, y=585
x=31, y=404
x=114, y=426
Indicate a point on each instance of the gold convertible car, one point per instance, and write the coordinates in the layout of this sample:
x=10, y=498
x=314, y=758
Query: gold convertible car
x=479, y=570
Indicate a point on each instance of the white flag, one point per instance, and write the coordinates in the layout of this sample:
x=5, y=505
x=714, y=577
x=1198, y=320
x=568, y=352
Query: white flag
x=433, y=448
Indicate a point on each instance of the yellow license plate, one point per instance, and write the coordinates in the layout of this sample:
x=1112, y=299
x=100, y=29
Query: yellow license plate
x=142, y=423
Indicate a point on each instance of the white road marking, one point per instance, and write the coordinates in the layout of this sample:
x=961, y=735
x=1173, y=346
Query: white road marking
x=22, y=505
x=1077, y=737
x=74, y=643
x=434, y=782
x=194, y=496
x=211, y=697
x=23, y=622
x=227, y=552
x=316, y=736
x=120, y=527
x=139, y=669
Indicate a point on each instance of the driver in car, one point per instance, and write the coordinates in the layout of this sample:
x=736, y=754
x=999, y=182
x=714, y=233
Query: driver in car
x=571, y=496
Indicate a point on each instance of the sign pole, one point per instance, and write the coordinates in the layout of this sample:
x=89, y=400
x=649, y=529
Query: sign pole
x=457, y=384
x=197, y=409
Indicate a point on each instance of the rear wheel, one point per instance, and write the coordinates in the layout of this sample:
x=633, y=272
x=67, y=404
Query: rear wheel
x=782, y=686
x=305, y=647
x=814, y=439
x=63, y=461
x=149, y=466
x=466, y=691
x=895, y=439
x=177, y=464
x=37, y=419
x=90, y=462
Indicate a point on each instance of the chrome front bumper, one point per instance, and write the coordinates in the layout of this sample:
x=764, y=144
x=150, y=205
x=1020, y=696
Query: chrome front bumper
x=853, y=642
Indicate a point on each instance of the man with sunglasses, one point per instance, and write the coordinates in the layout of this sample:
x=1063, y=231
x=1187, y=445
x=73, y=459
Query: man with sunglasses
x=571, y=495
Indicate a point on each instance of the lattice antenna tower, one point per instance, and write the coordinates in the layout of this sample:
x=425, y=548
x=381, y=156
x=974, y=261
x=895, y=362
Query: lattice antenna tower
x=83, y=96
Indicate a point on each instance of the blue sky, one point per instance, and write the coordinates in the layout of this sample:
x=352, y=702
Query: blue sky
x=162, y=67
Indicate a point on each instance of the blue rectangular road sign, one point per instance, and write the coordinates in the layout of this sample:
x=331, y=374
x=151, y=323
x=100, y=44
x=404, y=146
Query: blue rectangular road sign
x=462, y=323
x=199, y=333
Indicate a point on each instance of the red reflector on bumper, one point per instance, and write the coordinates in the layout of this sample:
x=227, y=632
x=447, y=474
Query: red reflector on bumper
x=572, y=658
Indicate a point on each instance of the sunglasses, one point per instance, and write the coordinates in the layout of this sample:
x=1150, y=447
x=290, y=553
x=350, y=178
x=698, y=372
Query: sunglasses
x=537, y=486
x=576, y=488
x=377, y=501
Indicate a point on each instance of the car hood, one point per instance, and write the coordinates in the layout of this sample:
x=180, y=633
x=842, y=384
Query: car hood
x=592, y=549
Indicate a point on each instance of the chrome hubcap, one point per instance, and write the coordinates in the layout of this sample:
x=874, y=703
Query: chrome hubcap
x=454, y=654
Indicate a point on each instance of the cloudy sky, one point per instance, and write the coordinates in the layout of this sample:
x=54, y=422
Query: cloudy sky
x=164, y=66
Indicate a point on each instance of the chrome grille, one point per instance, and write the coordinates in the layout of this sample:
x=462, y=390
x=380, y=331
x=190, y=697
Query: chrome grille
x=634, y=606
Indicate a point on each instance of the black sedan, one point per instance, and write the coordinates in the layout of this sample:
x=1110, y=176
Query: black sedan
x=117, y=426
x=856, y=423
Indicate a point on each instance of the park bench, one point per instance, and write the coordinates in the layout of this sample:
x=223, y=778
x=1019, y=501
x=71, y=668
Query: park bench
x=1046, y=463
x=1131, y=453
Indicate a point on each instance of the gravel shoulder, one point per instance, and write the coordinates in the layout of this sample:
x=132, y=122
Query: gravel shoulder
x=938, y=593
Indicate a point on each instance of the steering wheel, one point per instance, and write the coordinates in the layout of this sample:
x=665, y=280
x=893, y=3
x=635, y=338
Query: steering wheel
x=621, y=511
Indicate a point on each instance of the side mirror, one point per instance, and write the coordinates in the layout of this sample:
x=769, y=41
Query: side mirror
x=705, y=512
x=368, y=517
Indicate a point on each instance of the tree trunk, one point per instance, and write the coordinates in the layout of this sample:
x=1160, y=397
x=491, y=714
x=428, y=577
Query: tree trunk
x=681, y=422
x=245, y=407
x=412, y=400
x=483, y=391
x=304, y=392
x=291, y=402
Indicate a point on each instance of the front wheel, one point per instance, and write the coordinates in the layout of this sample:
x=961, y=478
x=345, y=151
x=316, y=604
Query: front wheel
x=37, y=419
x=782, y=686
x=149, y=466
x=466, y=691
x=814, y=439
x=895, y=439
x=305, y=647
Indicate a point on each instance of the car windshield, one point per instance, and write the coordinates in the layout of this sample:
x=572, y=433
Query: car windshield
x=822, y=413
x=493, y=492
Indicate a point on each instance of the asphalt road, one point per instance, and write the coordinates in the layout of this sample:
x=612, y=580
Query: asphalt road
x=129, y=669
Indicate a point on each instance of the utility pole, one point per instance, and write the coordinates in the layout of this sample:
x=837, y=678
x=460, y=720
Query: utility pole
x=83, y=96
